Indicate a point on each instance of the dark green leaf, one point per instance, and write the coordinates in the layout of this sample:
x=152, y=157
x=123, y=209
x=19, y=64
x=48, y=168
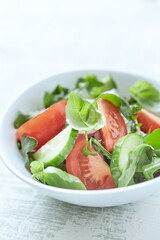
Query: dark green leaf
x=28, y=144
x=59, y=93
x=93, y=86
x=24, y=117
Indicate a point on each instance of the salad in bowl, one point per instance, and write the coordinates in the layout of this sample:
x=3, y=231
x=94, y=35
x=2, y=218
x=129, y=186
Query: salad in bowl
x=91, y=136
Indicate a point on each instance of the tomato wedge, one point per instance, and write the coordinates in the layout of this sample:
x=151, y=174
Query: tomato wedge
x=149, y=120
x=115, y=125
x=93, y=171
x=46, y=125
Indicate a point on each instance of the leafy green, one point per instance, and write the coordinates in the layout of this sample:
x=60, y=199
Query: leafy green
x=98, y=147
x=94, y=86
x=153, y=139
x=86, y=152
x=146, y=95
x=142, y=155
x=151, y=169
x=82, y=115
x=137, y=158
x=88, y=87
x=36, y=167
x=58, y=94
x=24, y=117
x=27, y=144
x=157, y=153
x=55, y=177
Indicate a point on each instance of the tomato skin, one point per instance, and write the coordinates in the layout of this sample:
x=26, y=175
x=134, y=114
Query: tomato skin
x=45, y=125
x=149, y=120
x=115, y=125
x=93, y=171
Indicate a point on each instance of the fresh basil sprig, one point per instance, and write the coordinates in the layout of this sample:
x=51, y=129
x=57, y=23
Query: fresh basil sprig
x=83, y=115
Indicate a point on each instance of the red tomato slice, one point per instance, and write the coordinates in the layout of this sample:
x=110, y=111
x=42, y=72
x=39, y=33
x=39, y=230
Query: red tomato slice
x=93, y=171
x=45, y=125
x=115, y=125
x=148, y=120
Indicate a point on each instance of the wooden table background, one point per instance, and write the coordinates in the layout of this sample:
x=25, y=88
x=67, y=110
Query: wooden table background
x=39, y=38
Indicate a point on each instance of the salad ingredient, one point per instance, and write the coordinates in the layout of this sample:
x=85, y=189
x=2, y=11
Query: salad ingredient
x=59, y=93
x=24, y=117
x=98, y=147
x=115, y=125
x=149, y=120
x=152, y=169
x=27, y=144
x=153, y=139
x=55, y=177
x=46, y=125
x=142, y=154
x=55, y=151
x=94, y=86
x=83, y=115
x=88, y=87
x=146, y=95
x=93, y=171
x=120, y=159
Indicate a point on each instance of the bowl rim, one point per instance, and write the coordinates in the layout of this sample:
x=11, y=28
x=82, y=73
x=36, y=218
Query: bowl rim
x=63, y=190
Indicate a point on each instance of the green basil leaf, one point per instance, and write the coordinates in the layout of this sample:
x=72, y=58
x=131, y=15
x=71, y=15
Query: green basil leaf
x=82, y=115
x=59, y=93
x=27, y=144
x=153, y=139
x=24, y=117
x=146, y=95
x=57, y=178
x=151, y=169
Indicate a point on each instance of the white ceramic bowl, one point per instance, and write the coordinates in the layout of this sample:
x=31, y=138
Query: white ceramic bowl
x=32, y=99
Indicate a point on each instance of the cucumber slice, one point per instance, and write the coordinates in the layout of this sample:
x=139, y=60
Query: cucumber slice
x=55, y=151
x=120, y=158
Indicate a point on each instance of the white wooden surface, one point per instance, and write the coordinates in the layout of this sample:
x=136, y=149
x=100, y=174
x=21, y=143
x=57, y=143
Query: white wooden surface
x=41, y=37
